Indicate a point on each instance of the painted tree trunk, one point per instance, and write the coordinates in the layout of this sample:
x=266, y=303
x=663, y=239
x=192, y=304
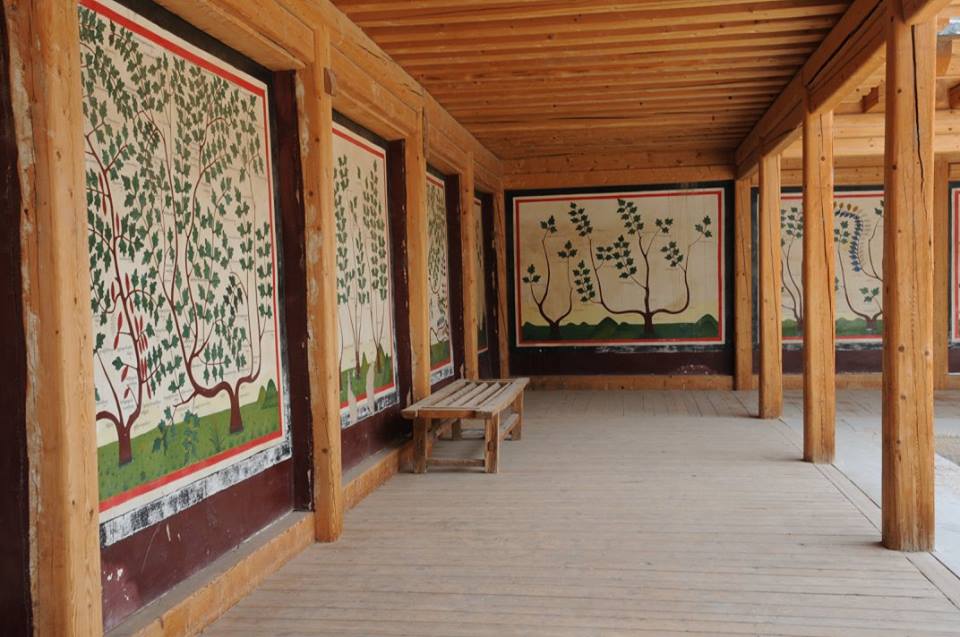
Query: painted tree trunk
x=236, y=419
x=123, y=443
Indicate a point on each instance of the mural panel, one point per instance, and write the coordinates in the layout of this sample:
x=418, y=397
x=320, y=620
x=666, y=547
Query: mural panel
x=480, y=289
x=643, y=268
x=188, y=363
x=858, y=236
x=438, y=274
x=954, y=265
x=364, y=286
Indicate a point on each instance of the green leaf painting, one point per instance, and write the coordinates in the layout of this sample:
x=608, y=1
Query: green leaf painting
x=858, y=245
x=620, y=269
x=438, y=276
x=181, y=252
x=364, y=286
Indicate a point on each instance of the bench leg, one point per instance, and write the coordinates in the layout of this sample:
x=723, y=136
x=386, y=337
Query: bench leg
x=517, y=432
x=421, y=428
x=491, y=457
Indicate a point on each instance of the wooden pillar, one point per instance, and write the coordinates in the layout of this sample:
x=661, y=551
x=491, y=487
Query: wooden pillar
x=415, y=169
x=471, y=278
x=500, y=243
x=941, y=272
x=819, y=297
x=316, y=123
x=48, y=116
x=908, y=500
x=771, y=328
x=743, y=287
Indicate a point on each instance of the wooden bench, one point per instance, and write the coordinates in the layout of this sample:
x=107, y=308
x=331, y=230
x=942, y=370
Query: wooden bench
x=498, y=403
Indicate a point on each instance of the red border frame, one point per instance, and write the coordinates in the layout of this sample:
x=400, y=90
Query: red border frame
x=721, y=208
x=261, y=92
x=838, y=194
x=377, y=152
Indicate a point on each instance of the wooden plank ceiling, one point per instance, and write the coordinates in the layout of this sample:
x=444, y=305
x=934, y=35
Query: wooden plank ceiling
x=535, y=78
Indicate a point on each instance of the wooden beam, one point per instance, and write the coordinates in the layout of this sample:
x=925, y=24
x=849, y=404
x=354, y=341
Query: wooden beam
x=953, y=96
x=771, y=329
x=819, y=298
x=63, y=493
x=500, y=243
x=471, y=278
x=743, y=286
x=415, y=171
x=941, y=271
x=908, y=475
x=315, y=106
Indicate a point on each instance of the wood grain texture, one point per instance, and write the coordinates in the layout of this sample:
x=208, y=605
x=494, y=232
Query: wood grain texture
x=64, y=541
x=819, y=296
x=941, y=272
x=415, y=164
x=316, y=137
x=771, y=338
x=469, y=244
x=908, y=500
x=743, y=286
x=722, y=533
x=503, y=309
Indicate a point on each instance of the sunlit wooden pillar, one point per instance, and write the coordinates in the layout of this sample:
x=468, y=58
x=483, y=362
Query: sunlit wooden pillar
x=819, y=298
x=771, y=329
x=470, y=276
x=941, y=272
x=908, y=500
x=743, y=286
x=316, y=123
x=63, y=493
x=415, y=170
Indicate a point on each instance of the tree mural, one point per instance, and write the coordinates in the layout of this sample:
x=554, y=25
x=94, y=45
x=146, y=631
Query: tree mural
x=533, y=279
x=791, y=241
x=181, y=257
x=364, y=304
x=858, y=237
x=648, y=242
x=857, y=234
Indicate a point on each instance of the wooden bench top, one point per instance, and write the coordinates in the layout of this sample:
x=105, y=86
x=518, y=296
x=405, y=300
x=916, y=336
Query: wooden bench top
x=468, y=399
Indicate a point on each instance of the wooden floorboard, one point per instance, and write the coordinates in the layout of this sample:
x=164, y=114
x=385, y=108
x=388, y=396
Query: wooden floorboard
x=619, y=513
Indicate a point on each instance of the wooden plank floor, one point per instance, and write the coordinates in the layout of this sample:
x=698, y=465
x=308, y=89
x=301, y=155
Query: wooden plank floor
x=618, y=513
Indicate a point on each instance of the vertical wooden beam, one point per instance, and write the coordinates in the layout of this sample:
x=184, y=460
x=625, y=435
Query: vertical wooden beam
x=941, y=272
x=500, y=244
x=316, y=139
x=46, y=93
x=771, y=322
x=469, y=246
x=908, y=497
x=819, y=298
x=743, y=287
x=415, y=165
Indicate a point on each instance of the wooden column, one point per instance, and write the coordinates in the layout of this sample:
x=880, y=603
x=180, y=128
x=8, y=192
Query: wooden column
x=47, y=101
x=771, y=328
x=316, y=134
x=908, y=500
x=743, y=287
x=941, y=272
x=819, y=298
x=415, y=169
x=500, y=242
x=469, y=246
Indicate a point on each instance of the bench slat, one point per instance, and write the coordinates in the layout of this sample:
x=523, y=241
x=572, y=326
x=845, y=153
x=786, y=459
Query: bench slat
x=504, y=399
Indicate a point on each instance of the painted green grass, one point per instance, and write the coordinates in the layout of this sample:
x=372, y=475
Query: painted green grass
x=359, y=384
x=439, y=352
x=610, y=330
x=187, y=442
x=845, y=327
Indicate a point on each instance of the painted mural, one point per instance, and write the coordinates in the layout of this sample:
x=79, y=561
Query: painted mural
x=480, y=290
x=183, y=270
x=642, y=268
x=955, y=263
x=364, y=288
x=438, y=276
x=858, y=237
